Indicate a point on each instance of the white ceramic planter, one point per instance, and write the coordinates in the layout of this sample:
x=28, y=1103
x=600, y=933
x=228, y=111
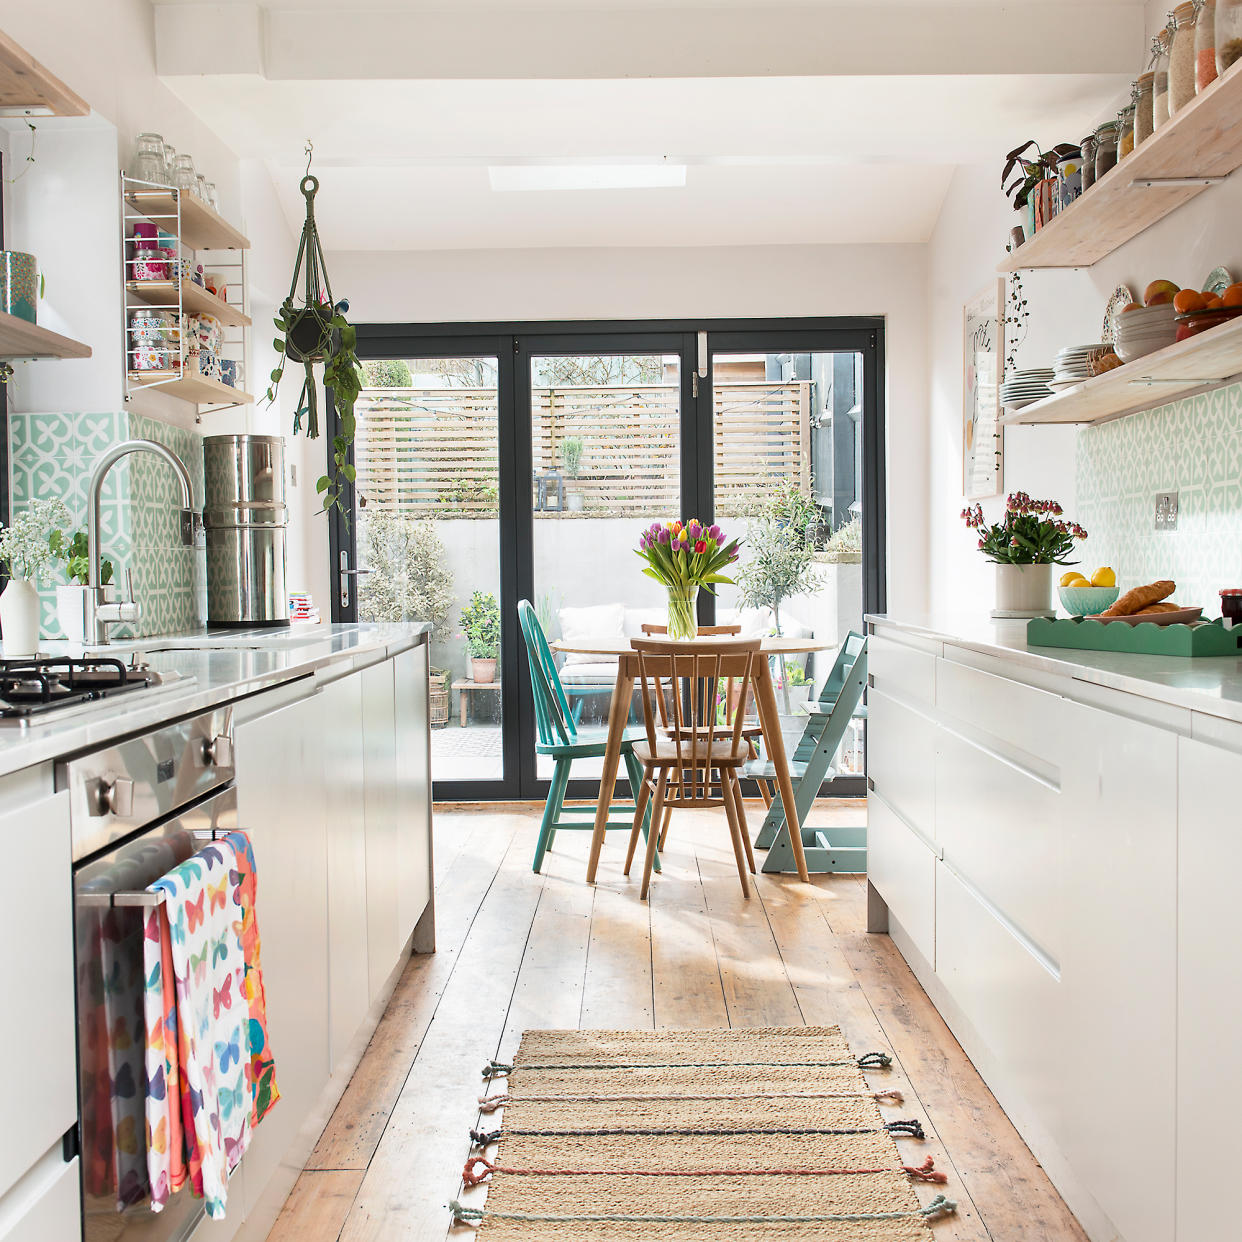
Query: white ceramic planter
x=71, y=611
x=1024, y=591
x=19, y=618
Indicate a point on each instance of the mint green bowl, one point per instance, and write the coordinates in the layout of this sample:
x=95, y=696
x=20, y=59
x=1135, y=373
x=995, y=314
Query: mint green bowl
x=1087, y=601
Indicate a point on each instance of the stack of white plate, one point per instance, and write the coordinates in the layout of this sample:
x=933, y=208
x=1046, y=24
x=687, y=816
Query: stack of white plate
x=1024, y=387
x=1073, y=364
x=1145, y=330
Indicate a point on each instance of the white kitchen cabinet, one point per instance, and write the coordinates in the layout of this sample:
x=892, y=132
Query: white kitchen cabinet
x=902, y=867
x=47, y=1207
x=901, y=766
x=1209, y=985
x=380, y=804
x=340, y=708
x=37, y=982
x=413, y=758
x=284, y=760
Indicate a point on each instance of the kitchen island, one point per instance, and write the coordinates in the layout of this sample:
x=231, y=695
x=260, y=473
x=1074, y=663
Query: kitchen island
x=1052, y=847
x=315, y=741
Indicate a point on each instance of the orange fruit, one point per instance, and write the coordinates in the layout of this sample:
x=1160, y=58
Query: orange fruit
x=1212, y=302
x=1188, y=300
x=1129, y=306
x=1232, y=296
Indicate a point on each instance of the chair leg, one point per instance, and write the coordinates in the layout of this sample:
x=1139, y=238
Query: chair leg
x=736, y=783
x=766, y=790
x=640, y=815
x=551, y=811
x=657, y=810
x=675, y=778
x=727, y=778
x=637, y=780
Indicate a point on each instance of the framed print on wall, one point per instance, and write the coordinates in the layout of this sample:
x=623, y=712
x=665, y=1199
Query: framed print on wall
x=983, y=437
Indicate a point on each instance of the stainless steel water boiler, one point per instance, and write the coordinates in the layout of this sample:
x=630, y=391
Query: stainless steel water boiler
x=246, y=520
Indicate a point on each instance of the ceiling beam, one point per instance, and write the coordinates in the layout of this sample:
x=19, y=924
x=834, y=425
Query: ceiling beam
x=363, y=41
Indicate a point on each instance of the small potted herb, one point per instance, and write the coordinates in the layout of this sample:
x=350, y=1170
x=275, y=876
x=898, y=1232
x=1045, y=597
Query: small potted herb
x=71, y=598
x=480, y=623
x=1031, y=537
x=26, y=555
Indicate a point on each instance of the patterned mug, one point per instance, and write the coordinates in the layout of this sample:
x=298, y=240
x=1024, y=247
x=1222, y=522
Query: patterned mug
x=19, y=285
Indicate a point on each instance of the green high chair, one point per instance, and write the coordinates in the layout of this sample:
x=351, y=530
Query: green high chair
x=561, y=737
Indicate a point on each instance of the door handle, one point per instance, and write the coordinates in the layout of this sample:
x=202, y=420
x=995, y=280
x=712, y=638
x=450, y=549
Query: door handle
x=345, y=573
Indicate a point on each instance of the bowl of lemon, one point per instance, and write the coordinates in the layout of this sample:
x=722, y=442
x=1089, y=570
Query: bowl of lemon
x=1085, y=597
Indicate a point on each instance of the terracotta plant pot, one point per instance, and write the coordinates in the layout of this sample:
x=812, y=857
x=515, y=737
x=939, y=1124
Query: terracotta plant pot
x=482, y=670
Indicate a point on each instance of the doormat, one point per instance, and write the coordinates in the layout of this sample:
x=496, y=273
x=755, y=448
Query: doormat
x=702, y=1135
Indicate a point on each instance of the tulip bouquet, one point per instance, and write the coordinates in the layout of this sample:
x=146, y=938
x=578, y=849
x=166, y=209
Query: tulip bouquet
x=685, y=556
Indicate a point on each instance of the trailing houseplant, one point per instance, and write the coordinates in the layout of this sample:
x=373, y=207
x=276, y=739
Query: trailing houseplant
x=26, y=555
x=480, y=623
x=314, y=331
x=1031, y=537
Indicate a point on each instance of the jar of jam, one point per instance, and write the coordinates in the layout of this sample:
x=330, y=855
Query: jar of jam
x=1231, y=606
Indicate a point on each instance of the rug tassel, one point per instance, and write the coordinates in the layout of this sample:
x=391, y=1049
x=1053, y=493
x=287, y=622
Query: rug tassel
x=496, y=1069
x=471, y=1177
x=939, y=1206
x=894, y=1097
x=490, y=1103
x=923, y=1173
x=910, y=1129
x=464, y=1215
x=484, y=1138
x=875, y=1060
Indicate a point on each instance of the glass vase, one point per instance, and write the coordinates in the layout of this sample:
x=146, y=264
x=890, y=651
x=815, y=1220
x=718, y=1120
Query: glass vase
x=683, y=614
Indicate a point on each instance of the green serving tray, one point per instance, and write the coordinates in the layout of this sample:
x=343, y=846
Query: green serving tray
x=1085, y=634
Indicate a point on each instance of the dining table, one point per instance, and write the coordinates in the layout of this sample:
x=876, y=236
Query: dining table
x=626, y=657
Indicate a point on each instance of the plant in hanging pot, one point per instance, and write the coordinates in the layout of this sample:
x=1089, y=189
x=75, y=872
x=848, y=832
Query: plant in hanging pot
x=27, y=556
x=1031, y=537
x=480, y=623
x=314, y=331
x=71, y=598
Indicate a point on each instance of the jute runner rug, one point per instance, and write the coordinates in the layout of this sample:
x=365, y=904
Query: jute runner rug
x=706, y=1136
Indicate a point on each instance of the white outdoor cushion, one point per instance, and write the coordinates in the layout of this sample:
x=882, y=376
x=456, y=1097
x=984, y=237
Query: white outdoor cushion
x=601, y=674
x=636, y=618
x=587, y=624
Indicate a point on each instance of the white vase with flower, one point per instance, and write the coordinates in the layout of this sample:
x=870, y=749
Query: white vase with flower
x=26, y=553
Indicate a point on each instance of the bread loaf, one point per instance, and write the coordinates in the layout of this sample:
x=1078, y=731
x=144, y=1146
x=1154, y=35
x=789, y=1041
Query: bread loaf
x=1140, y=598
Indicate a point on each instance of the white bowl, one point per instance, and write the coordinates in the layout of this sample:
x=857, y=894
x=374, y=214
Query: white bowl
x=1127, y=351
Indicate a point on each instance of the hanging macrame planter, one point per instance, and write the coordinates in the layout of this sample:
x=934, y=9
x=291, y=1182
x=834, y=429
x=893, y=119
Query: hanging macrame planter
x=314, y=331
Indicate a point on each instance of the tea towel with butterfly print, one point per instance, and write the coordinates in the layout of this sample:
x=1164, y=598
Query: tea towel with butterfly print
x=212, y=1017
x=166, y=1167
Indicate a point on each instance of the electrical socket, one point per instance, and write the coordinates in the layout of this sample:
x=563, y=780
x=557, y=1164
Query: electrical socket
x=1166, y=511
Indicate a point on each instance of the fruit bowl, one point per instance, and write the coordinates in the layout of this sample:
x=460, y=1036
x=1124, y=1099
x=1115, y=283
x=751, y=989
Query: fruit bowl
x=1190, y=323
x=1087, y=601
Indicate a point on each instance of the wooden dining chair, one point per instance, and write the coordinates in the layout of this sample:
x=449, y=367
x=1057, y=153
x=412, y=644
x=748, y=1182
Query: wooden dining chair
x=561, y=737
x=686, y=761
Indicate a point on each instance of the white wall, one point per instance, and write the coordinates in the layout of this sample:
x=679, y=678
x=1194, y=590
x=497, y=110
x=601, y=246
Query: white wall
x=688, y=283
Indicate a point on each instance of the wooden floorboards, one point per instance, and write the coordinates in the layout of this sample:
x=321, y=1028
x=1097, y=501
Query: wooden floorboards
x=518, y=950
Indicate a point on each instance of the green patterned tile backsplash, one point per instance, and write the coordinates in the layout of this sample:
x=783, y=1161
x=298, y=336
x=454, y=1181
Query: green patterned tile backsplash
x=1192, y=447
x=54, y=454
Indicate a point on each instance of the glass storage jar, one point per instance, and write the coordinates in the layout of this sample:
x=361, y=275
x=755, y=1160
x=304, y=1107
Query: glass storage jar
x=1228, y=33
x=1125, y=131
x=201, y=187
x=1160, y=78
x=1182, y=57
x=149, y=159
x=1087, y=147
x=170, y=164
x=1143, y=120
x=187, y=178
x=213, y=196
x=1105, y=148
x=1205, y=46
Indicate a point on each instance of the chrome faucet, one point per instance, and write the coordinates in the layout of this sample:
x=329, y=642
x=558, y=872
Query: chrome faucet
x=100, y=612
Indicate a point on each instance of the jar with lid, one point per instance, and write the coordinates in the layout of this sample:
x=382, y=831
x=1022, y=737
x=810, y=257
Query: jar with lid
x=1182, y=57
x=149, y=159
x=1228, y=33
x=1205, y=46
x=1069, y=179
x=1087, y=147
x=1125, y=131
x=1160, y=78
x=1143, y=99
x=1105, y=148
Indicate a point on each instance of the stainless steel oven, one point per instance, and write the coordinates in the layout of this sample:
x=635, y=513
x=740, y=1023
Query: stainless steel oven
x=138, y=808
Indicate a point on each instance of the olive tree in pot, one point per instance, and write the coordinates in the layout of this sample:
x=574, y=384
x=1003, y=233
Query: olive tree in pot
x=480, y=623
x=571, y=459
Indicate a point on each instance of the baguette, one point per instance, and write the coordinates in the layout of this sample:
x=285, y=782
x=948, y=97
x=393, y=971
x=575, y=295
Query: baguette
x=1140, y=598
x=1154, y=609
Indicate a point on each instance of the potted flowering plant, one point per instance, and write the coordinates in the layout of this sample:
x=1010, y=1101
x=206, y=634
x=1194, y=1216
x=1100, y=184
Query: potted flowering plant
x=480, y=622
x=1031, y=537
x=27, y=556
x=684, y=556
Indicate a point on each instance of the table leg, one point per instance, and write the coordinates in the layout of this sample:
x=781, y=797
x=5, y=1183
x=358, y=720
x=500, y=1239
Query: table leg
x=618, y=716
x=464, y=699
x=774, y=744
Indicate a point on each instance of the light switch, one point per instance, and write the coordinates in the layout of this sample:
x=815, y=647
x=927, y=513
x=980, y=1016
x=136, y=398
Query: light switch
x=1166, y=511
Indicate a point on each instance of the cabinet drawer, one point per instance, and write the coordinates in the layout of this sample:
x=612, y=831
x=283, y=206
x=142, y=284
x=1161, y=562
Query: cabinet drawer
x=903, y=671
x=901, y=759
x=47, y=1207
x=902, y=866
x=1017, y=716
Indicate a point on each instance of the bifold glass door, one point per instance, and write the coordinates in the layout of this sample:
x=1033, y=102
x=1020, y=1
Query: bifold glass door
x=509, y=463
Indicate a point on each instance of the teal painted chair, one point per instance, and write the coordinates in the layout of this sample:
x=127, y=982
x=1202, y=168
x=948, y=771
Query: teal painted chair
x=562, y=738
x=842, y=848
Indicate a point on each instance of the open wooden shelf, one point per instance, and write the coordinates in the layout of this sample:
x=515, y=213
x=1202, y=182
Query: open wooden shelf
x=190, y=387
x=1197, y=364
x=1204, y=139
x=195, y=300
x=21, y=339
x=28, y=89
x=202, y=228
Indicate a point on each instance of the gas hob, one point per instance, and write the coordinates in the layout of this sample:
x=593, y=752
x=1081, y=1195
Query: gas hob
x=47, y=688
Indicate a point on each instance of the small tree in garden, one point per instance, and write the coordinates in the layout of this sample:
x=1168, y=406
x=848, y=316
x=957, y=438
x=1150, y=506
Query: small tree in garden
x=410, y=579
x=386, y=373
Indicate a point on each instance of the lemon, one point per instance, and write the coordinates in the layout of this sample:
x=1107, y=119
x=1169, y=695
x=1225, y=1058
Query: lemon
x=1104, y=577
x=1074, y=579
